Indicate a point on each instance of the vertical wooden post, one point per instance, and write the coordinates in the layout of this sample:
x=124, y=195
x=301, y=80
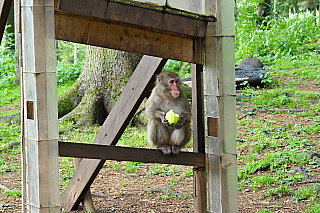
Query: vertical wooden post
x=220, y=108
x=18, y=49
x=40, y=106
x=199, y=174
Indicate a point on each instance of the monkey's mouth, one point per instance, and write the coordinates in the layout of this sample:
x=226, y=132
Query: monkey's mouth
x=175, y=94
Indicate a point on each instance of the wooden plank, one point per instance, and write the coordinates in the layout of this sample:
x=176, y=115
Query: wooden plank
x=198, y=108
x=138, y=86
x=19, y=70
x=110, y=35
x=4, y=13
x=199, y=173
x=135, y=16
x=200, y=189
x=41, y=134
x=94, y=151
x=220, y=110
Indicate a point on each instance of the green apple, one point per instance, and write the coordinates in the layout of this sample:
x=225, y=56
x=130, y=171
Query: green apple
x=172, y=117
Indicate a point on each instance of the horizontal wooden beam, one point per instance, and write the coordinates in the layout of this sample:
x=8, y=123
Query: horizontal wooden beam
x=135, y=16
x=110, y=35
x=93, y=151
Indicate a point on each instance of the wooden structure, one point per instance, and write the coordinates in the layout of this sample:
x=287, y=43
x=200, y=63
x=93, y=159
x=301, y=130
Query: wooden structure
x=4, y=13
x=196, y=31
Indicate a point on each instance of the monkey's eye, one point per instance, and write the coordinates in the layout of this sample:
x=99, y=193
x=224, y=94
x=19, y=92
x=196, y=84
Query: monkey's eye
x=173, y=81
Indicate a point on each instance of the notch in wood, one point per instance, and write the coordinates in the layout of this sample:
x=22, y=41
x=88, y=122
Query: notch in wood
x=212, y=126
x=30, y=112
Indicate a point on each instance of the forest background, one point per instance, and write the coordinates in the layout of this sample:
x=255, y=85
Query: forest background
x=278, y=126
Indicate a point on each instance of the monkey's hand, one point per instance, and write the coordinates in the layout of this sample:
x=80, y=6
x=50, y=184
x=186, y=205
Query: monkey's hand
x=178, y=125
x=164, y=121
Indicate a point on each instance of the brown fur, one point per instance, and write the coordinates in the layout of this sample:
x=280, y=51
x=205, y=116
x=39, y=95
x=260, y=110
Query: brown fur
x=169, y=139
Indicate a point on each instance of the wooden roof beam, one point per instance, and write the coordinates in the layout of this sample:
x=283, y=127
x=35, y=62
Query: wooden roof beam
x=136, y=16
x=81, y=29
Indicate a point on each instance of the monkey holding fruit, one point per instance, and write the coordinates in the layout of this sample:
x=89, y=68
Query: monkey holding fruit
x=169, y=114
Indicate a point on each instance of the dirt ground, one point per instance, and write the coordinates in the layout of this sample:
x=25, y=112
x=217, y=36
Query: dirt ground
x=167, y=190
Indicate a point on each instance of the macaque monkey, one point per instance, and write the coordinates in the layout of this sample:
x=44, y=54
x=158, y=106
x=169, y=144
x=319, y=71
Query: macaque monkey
x=167, y=95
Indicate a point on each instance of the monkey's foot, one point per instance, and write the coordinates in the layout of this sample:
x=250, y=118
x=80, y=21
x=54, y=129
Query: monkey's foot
x=165, y=149
x=175, y=149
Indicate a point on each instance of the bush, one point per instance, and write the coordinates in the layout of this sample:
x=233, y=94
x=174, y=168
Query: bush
x=276, y=38
x=68, y=72
x=7, y=62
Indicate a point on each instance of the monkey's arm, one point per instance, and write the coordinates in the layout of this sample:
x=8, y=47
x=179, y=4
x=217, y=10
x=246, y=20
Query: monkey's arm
x=184, y=119
x=154, y=113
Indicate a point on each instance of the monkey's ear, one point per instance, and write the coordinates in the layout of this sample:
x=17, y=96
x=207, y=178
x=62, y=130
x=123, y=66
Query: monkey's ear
x=158, y=78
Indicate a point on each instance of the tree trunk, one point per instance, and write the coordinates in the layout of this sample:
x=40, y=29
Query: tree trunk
x=102, y=79
x=263, y=11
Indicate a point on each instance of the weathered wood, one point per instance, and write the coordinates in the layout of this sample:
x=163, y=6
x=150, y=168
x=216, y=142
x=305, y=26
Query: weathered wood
x=198, y=108
x=19, y=70
x=220, y=107
x=110, y=35
x=172, y=7
x=135, y=16
x=40, y=91
x=4, y=13
x=199, y=173
x=200, y=189
x=87, y=201
x=94, y=151
x=138, y=86
x=213, y=126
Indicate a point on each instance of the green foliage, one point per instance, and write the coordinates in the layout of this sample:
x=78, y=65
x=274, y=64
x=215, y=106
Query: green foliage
x=182, y=68
x=7, y=62
x=276, y=38
x=264, y=211
x=10, y=96
x=9, y=132
x=157, y=169
x=65, y=52
x=131, y=166
x=134, y=137
x=305, y=193
x=12, y=193
x=315, y=208
x=268, y=81
x=282, y=190
x=280, y=97
x=68, y=72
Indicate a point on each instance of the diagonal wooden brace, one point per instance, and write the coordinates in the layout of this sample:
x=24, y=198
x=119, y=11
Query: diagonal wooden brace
x=4, y=13
x=133, y=94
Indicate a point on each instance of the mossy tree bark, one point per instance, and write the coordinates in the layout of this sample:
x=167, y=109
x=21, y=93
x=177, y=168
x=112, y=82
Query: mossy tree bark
x=104, y=75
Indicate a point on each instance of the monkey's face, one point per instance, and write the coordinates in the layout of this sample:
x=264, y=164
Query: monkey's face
x=174, y=87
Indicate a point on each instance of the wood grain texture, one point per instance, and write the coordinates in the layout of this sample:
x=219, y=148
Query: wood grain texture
x=117, y=153
x=198, y=108
x=4, y=13
x=139, y=84
x=220, y=110
x=40, y=140
x=200, y=189
x=101, y=33
x=136, y=16
x=199, y=173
